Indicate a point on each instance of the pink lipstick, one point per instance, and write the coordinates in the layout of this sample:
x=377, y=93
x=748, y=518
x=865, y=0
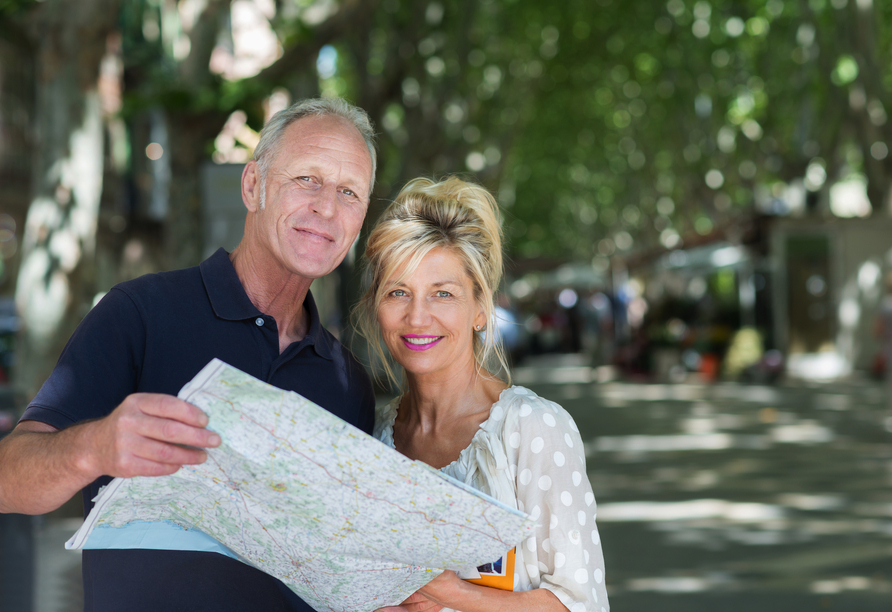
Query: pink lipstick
x=415, y=342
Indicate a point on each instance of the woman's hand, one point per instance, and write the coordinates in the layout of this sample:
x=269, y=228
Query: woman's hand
x=442, y=589
x=449, y=591
x=416, y=602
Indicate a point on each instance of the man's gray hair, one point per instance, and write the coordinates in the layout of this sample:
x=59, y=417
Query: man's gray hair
x=271, y=135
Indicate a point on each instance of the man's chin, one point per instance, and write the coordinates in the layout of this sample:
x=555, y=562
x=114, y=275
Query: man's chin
x=312, y=267
x=311, y=270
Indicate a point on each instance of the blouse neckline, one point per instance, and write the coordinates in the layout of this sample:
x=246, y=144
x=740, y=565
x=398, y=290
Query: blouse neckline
x=387, y=431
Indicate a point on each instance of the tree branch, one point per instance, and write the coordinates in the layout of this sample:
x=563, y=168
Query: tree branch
x=194, y=69
x=352, y=14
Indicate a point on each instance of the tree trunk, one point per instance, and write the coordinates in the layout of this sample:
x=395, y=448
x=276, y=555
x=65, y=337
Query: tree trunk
x=188, y=137
x=870, y=130
x=53, y=290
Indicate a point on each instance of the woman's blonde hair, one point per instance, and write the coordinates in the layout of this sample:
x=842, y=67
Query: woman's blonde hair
x=451, y=214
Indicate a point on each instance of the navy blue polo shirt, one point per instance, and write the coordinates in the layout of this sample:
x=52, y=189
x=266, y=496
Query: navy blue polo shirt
x=153, y=334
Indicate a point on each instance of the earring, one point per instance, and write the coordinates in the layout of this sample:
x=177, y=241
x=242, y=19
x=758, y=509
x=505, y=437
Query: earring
x=477, y=327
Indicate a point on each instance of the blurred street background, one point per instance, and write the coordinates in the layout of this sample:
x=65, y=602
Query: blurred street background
x=697, y=201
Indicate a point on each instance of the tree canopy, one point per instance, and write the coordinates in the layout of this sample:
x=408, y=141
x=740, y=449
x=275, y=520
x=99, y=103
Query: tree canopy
x=612, y=127
x=658, y=121
x=606, y=128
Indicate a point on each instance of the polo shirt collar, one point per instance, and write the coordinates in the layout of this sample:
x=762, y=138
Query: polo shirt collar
x=316, y=335
x=225, y=291
x=230, y=302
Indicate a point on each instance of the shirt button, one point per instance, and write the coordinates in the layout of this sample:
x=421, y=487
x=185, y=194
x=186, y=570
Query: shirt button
x=259, y=321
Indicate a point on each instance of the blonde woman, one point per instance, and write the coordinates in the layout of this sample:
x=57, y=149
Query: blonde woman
x=435, y=260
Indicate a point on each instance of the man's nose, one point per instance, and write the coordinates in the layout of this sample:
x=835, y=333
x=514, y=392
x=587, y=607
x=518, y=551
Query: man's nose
x=325, y=202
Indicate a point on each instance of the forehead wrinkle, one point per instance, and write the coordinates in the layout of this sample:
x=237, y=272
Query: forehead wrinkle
x=322, y=159
x=324, y=145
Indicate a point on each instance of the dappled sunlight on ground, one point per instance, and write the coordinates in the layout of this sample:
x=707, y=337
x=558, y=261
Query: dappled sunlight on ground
x=714, y=495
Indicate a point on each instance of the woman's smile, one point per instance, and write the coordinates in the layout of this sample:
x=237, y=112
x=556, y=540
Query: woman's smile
x=420, y=343
x=427, y=317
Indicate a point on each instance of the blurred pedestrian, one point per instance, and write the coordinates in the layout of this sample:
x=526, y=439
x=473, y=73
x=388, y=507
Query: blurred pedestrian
x=883, y=331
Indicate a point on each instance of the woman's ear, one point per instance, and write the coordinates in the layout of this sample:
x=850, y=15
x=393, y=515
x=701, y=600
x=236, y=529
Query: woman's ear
x=480, y=319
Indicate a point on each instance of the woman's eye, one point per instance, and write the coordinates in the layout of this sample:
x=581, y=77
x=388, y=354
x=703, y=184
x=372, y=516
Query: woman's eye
x=443, y=294
x=397, y=293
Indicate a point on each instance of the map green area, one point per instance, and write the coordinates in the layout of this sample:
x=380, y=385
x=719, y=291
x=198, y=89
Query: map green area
x=345, y=521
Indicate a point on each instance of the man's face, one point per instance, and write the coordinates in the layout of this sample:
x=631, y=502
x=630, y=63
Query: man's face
x=317, y=194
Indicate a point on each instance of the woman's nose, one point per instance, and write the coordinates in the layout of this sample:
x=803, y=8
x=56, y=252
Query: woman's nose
x=418, y=312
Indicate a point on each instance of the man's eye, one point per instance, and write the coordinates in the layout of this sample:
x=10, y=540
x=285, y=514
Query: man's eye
x=349, y=192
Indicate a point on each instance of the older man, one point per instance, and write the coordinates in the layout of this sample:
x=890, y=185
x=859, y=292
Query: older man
x=109, y=407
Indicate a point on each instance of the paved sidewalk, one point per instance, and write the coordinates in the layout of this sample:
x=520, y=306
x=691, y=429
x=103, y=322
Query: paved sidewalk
x=58, y=582
x=728, y=497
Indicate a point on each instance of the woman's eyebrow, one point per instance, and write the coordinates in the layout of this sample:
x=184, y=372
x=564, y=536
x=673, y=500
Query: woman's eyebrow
x=442, y=283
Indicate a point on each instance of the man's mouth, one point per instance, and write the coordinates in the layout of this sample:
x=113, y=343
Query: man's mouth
x=314, y=234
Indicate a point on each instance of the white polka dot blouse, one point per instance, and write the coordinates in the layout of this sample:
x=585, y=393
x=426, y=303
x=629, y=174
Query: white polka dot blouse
x=528, y=455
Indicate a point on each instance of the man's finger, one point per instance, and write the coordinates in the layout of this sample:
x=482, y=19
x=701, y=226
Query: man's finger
x=142, y=467
x=177, y=432
x=141, y=416
x=170, y=407
x=163, y=452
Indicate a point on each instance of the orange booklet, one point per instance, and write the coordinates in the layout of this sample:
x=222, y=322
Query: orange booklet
x=499, y=574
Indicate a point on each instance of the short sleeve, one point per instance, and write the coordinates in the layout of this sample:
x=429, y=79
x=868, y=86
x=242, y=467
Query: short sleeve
x=552, y=486
x=98, y=367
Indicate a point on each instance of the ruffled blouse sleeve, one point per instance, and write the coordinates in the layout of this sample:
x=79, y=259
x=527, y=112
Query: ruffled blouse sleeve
x=385, y=416
x=565, y=556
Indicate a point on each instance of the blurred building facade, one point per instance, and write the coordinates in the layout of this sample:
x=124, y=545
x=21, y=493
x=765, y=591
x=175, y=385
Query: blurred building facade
x=828, y=279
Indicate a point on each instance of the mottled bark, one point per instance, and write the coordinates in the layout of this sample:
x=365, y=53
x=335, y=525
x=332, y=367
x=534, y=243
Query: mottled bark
x=189, y=135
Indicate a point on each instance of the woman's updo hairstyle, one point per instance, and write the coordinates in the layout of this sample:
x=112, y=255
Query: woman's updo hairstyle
x=451, y=214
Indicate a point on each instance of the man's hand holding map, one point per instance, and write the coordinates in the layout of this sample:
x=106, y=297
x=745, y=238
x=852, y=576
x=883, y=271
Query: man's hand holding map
x=345, y=521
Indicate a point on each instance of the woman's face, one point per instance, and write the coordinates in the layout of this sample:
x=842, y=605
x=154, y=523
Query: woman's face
x=428, y=318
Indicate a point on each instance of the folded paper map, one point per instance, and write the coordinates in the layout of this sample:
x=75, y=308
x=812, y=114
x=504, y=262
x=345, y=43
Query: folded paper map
x=345, y=521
